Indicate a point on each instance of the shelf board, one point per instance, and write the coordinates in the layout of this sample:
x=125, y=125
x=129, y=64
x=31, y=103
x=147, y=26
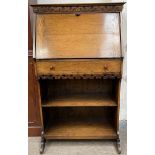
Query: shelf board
x=80, y=130
x=79, y=100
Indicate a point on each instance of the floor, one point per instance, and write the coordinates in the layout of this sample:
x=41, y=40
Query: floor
x=80, y=147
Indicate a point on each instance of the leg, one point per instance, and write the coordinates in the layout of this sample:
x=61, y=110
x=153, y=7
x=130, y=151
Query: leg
x=42, y=144
x=118, y=146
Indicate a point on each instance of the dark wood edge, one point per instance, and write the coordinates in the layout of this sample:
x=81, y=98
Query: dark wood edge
x=118, y=104
x=79, y=59
x=77, y=4
x=34, y=35
x=34, y=131
x=78, y=8
x=37, y=88
x=30, y=53
x=76, y=138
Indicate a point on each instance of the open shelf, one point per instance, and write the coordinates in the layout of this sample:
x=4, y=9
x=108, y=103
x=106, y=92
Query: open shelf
x=79, y=100
x=78, y=93
x=80, y=123
x=79, y=109
x=69, y=129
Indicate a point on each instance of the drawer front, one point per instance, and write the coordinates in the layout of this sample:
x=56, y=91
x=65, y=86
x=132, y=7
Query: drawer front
x=72, y=67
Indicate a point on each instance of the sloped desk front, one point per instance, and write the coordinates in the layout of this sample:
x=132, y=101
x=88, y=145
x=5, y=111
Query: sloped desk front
x=84, y=36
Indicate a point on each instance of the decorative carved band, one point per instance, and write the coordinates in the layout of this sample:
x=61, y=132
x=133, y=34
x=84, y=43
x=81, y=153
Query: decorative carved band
x=84, y=76
x=78, y=9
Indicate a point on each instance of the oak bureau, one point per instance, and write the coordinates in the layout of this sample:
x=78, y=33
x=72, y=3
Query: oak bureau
x=78, y=63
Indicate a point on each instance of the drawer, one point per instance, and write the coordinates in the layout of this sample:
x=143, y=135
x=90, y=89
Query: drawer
x=72, y=67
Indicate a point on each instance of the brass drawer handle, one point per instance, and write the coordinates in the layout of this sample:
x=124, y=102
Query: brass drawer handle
x=106, y=67
x=52, y=67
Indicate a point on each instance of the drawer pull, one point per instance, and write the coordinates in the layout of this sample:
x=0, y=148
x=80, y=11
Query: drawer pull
x=77, y=14
x=106, y=67
x=52, y=67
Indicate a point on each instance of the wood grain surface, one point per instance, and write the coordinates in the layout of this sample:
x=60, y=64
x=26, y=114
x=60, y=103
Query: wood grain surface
x=81, y=130
x=85, y=66
x=84, y=36
x=80, y=123
x=87, y=100
x=34, y=122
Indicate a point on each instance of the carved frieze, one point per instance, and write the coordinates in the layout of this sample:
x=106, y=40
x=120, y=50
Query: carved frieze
x=77, y=9
x=82, y=76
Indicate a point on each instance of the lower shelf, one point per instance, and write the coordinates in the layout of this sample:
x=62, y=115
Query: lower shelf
x=80, y=130
x=80, y=100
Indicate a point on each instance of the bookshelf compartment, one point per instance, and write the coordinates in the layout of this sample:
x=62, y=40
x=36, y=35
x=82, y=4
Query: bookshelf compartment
x=74, y=93
x=80, y=123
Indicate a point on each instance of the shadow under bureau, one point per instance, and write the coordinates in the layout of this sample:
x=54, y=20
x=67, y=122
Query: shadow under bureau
x=78, y=63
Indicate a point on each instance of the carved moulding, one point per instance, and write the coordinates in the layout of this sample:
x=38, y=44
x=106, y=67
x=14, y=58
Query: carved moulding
x=78, y=9
x=83, y=76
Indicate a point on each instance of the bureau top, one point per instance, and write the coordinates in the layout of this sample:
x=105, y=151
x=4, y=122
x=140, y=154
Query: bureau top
x=64, y=2
x=77, y=29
